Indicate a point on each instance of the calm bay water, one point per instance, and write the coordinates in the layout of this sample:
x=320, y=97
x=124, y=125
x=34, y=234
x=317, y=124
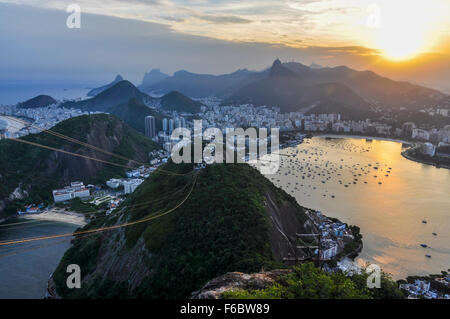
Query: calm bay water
x=386, y=195
x=26, y=268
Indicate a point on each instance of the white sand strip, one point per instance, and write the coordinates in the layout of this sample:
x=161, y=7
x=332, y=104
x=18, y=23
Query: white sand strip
x=59, y=215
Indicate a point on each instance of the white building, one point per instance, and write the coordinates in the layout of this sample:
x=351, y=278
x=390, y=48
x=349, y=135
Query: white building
x=76, y=189
x=113, y=183
x=130, y=185
x=443, y=112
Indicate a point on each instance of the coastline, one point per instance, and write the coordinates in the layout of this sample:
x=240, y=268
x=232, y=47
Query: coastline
x=59, y=215
x=363, y=137
x=421, y=161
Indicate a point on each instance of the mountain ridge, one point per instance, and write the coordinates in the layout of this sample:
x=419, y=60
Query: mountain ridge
x=370, y=86
x=293, y=91
x=120, y=92
x=95, y=91
x=176, y=101
x=152, y=77
x=34, y=172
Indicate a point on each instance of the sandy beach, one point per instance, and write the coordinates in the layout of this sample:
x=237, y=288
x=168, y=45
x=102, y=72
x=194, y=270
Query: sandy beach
x=59, y=215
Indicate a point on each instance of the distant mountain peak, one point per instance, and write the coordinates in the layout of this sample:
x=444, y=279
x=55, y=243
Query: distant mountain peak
x=316, y=66
x=278, y=69
x=152, y=77
x=276, y=63
x=98, y=90
x=38, y=101
x=120, y=92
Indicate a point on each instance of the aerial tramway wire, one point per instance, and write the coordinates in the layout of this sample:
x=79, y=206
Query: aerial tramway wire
x=67, y=152
x=101, y=229
x=73, y=140
x=14, y=225
x=93, y=158
x=19, y=250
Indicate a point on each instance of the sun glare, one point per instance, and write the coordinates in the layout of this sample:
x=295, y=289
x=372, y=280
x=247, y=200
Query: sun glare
x=408, y=27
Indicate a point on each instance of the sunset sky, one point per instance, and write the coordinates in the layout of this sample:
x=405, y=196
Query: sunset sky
x=404, y=39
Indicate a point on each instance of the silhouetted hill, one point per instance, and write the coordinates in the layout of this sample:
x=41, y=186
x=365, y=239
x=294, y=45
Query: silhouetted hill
x=134, y=112
x=278, y=70
x=293, y=91
x=38, y=101
x=120, y=92
x=150, y=78
x=373, y=88
x=175, y=101
x=98, y=90
x=203, y=85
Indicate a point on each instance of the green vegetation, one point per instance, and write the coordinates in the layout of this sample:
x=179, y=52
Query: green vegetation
x=309, y=282
x=121, y=92
x=39, y=170
x=353, y=246
x=77, y=205
x=175, y=101
x=83, y=254
x=222, y=227
x=133, y=113
x=305, y=282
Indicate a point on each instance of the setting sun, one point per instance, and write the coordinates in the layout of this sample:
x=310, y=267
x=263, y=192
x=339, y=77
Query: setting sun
x=408, y=28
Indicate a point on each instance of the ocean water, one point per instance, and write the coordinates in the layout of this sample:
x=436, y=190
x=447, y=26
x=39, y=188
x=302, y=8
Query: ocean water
x=386, y=195
x=25, y=268
x=12, y=93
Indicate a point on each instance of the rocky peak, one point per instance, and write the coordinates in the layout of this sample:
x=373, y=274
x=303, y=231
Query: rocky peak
x=238, y=280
